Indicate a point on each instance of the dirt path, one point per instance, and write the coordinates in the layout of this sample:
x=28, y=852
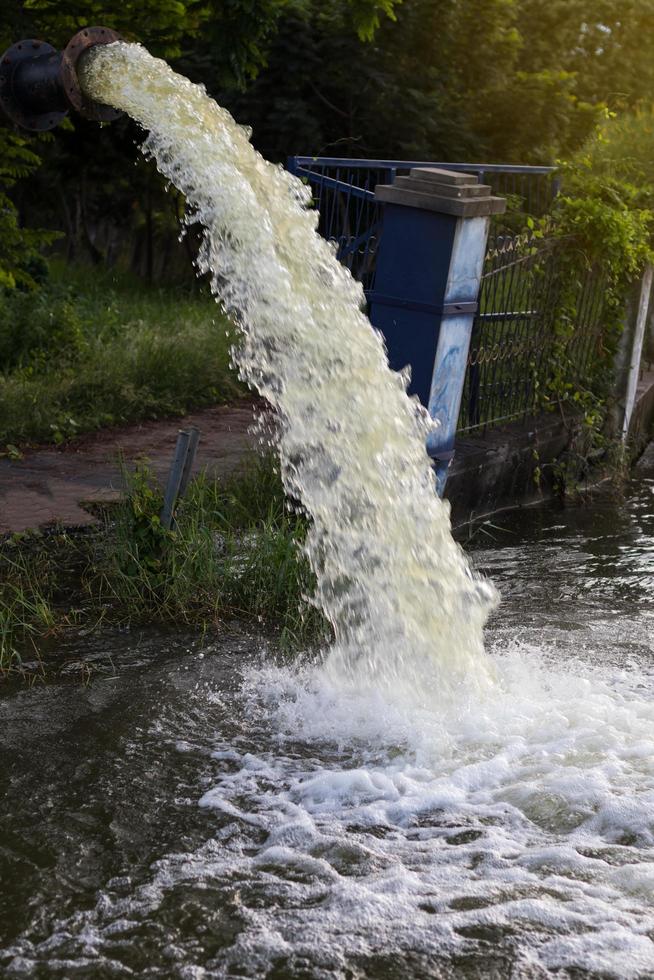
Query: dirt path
x=48, y=485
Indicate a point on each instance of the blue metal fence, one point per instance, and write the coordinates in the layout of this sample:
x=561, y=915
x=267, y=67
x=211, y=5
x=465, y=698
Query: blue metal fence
x=512, y=332
x=515, y=333
x=514, y=326
x=344, y=194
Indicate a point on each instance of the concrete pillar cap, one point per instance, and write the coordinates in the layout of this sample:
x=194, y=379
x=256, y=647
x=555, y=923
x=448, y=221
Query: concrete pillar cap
x=444, y=191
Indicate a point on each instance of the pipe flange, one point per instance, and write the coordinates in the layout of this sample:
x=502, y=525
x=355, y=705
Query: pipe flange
x=87, y=38
x=22, y=51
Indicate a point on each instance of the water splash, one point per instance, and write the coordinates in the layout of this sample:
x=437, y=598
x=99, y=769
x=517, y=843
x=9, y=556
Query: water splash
x=398, y=590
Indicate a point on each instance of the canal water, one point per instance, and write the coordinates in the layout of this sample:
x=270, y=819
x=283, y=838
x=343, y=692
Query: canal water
x=207, y=810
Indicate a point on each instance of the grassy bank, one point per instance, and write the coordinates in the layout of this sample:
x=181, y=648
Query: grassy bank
x=236, y=553
x=92, y=348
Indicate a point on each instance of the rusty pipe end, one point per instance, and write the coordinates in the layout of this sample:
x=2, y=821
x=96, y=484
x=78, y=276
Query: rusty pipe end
x=88, y=37
x=39, y=85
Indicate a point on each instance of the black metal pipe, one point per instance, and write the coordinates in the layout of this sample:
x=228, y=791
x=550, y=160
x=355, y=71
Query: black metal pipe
x=37, y=81
x=39, y=85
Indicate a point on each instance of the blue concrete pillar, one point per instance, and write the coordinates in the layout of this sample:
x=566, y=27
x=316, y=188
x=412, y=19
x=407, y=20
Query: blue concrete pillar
x=429, y=267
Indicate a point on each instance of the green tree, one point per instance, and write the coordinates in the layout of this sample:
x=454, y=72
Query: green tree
x=519, y=81
x=234, y=31
x=413, y=91
x=160, y=24
x=606, y=44
x=19, y=246
x=576, y=59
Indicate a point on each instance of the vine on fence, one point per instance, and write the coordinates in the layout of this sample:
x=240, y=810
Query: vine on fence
x=601, y=224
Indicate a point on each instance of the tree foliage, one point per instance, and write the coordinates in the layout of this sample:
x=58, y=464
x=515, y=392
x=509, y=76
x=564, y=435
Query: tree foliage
x=234, y=29
x=601, y=228
x=19, y=247
x=516, y=81
x=161, y=24
x=623, y=148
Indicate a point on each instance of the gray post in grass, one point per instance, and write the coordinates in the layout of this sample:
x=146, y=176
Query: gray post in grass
x=428, y=274
x=192, y=448
x=180, y=472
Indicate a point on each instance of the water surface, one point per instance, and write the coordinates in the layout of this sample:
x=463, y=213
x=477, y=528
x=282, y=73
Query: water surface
x=198, y=810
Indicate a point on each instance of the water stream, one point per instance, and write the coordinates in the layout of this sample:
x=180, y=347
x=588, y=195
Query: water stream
x=411, y=806
x=405, y=608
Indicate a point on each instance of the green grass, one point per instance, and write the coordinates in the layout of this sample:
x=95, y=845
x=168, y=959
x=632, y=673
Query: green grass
x=235, y=554
x=38, y=578
x=96, y=348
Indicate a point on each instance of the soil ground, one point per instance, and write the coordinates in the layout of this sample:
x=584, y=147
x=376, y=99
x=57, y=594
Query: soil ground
x=56, y=485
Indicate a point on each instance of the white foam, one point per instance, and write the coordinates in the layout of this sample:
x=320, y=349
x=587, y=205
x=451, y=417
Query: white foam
x=537, y=801
x=526, y=814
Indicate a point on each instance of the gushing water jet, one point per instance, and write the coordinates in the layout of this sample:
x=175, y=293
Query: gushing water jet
x=406, y=608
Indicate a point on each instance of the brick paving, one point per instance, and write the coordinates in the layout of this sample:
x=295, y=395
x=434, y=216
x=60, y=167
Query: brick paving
x=51, y=485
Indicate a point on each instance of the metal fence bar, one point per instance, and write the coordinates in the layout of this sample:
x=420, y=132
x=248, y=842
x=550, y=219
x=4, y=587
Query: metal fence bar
x=354, y=164
x=511, y=347
x=334, y=183
x=514, y=330
x=536, y=186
